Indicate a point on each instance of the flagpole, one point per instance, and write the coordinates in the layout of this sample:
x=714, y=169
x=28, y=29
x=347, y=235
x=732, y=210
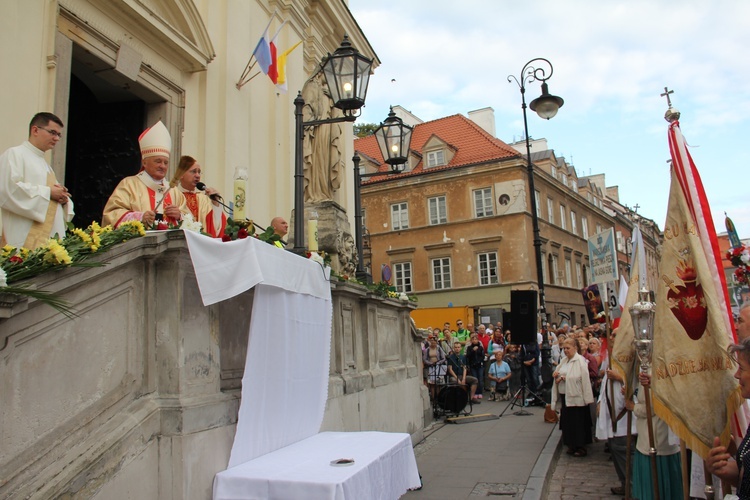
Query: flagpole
x=651, y=440
x=642, y=314
x=708, y=489
x=685, y=474
x=629, y=456
x=248, y=80
x=248, y=68
x=607, y=333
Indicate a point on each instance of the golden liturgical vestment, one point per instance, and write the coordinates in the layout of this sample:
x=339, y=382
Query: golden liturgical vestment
x=132, y=197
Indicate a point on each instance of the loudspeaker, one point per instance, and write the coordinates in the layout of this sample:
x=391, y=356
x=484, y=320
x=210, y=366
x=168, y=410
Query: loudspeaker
x=507, y=321
x=523, y=316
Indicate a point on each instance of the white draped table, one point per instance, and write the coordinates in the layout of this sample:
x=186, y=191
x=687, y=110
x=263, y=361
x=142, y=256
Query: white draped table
x=277, y=451
x=384, y=468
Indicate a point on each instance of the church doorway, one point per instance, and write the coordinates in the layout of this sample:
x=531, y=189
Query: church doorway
x=104, y=122
x=102, y=148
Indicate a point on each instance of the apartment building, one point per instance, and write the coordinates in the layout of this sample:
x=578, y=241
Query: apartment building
x=455, y=226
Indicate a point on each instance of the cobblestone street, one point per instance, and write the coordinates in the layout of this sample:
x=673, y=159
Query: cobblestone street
x=589, y=477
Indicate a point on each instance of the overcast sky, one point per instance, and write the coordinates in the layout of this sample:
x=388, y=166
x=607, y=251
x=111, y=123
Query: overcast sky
x=611, y=61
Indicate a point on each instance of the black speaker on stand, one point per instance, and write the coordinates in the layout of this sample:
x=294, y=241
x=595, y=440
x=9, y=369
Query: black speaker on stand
x=523, y=330
x=506, y=321
x=523, y=316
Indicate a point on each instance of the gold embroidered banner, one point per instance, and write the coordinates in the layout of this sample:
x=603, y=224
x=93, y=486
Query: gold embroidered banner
x=694, y=388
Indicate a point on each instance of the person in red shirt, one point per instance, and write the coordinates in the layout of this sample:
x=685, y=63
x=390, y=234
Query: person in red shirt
x=483, y=336
x=484, y=339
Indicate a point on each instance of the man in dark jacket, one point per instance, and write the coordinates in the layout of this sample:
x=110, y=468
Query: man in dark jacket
x=458, y=371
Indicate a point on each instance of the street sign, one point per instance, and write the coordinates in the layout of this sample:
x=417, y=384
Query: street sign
x=603, y=257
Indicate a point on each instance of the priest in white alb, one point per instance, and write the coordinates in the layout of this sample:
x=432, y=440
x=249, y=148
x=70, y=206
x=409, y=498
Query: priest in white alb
x=35, y=207
x=146, y=196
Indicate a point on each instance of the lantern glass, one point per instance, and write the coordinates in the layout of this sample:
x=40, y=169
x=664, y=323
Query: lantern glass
x=394, y=140
x=347, y=74
x=642, y=315
x=643, y=324
x=546, y=105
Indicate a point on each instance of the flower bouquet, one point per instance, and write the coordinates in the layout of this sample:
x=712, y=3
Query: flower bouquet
x=242, y=228
x=238, y=229
x=739, y=256
x=18, y=263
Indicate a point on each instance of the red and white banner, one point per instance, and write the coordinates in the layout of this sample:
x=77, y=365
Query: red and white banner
x=694, y=389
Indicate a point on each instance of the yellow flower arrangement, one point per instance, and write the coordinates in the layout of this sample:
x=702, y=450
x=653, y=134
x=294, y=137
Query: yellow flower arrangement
x=17, y=264
x=56, y=253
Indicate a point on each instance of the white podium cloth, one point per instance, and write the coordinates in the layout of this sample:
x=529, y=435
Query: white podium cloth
x=224, y=269
x=285, y=385
x=384, y=468
x=277, y=451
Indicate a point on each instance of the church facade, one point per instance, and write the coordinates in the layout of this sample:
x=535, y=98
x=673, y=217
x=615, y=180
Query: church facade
x=111, y=69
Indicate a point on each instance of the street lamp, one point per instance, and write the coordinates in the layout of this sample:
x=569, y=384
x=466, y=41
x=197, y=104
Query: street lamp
x=347, y=73
x=546, y=107
x=394, y=139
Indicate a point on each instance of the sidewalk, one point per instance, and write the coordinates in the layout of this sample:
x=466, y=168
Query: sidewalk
x=514, y=456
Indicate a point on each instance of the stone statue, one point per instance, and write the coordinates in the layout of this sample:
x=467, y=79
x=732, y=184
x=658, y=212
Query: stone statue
x=322, y=143
x=347, y=253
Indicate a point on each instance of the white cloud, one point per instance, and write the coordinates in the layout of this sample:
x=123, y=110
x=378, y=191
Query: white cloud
x=611, y=61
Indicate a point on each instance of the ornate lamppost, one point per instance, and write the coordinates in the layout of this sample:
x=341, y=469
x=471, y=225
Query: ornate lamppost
x=642, y=314
x=347, y=73
x=394, y=138
x=546, y=106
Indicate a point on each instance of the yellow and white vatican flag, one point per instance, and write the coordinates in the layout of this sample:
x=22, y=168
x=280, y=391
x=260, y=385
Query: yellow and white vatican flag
x=623, y=351
x=694, y=390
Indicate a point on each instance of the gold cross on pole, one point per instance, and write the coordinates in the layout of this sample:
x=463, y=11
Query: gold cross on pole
x=666, y=94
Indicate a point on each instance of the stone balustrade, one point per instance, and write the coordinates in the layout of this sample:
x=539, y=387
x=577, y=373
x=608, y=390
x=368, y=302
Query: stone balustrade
x=138, y=396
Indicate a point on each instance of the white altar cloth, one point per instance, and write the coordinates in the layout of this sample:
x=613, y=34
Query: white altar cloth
x=277, y=452
x=384, y=468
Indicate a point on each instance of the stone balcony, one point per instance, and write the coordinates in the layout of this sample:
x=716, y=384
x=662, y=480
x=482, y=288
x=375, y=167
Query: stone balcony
x=138, y=396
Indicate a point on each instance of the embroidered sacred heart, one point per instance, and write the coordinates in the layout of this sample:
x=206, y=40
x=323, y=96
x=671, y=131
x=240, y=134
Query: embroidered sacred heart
x=688, y=305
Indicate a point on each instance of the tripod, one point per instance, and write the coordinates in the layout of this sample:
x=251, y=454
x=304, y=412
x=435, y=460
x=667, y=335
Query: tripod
x=522, y=393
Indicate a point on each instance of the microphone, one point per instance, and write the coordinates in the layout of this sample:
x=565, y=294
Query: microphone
x=202, y=187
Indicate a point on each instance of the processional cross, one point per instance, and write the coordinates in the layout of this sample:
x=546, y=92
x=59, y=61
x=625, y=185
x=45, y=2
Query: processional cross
x=666, y=94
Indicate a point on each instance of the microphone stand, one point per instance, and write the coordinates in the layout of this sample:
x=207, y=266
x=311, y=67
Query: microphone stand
x=217, y=198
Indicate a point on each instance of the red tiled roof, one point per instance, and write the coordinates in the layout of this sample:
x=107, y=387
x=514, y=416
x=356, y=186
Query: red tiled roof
x=472, y=144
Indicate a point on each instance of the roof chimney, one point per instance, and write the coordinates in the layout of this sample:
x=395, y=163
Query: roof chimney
x=485, y=118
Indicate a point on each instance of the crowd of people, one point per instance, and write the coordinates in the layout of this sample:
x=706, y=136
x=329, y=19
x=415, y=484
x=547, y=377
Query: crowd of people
x=36, y=206
x=588, y=395
x=486, y=360
x=493, y=363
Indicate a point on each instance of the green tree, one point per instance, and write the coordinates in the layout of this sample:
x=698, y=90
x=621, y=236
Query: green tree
x=365, y=129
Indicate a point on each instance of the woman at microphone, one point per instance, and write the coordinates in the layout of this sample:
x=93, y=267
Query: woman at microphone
x=201, y=200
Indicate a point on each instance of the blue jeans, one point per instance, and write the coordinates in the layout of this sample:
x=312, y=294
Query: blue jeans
x=478, y=372
x=532, y=376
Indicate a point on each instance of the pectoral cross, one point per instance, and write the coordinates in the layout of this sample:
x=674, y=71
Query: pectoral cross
x=666, y=94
